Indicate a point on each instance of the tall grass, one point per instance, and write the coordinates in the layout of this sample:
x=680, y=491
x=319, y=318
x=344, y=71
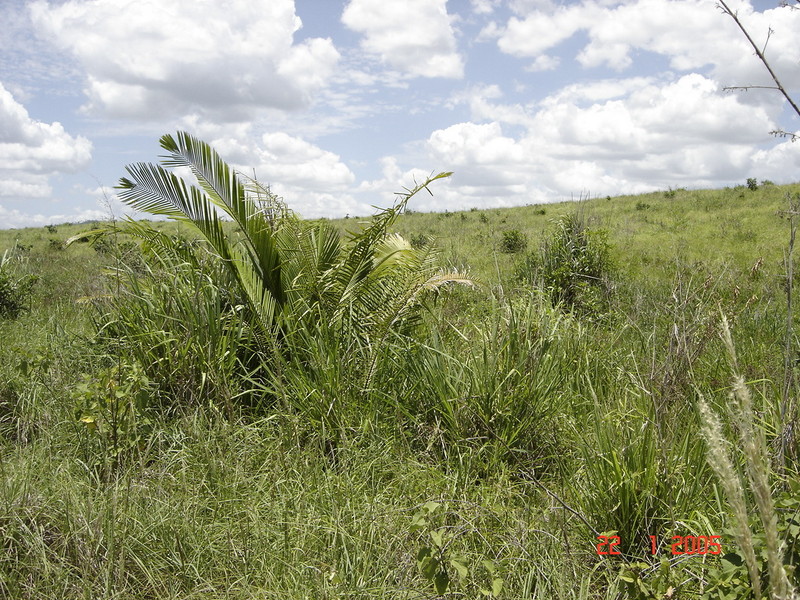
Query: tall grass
x=757, y=467
x=378, y=420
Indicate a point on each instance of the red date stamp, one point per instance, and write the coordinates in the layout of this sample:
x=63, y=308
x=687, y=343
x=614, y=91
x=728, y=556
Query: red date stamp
x=681, y=544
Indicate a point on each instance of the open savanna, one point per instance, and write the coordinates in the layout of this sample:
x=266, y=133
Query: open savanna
x=154, y=443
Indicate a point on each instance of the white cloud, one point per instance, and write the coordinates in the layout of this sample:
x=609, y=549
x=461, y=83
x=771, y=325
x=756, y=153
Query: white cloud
x=313, y=181
x=483, y=106
x=540, y=31
x=474, y=145
x=544, y=62
x=690, y=34
x=13, y=218
x=415, y=37
x=282, y=158
x=489, y=167
x=483, y=7
x=607, y=137
x=776, y=162
x=152, y=59
x=32, y=151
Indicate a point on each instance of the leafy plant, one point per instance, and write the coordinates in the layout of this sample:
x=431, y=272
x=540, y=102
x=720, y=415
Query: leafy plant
x=753, y=452
x=15, y=291
x=574, y=266
x=729, y=580
x=112, y=404
x=439, y=563
x=310, y=311
x=513, y=241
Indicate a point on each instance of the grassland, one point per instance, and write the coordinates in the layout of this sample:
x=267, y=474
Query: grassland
x=145, y=452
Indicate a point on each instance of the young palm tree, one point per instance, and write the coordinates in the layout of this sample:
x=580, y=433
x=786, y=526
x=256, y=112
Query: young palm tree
x=300, y=285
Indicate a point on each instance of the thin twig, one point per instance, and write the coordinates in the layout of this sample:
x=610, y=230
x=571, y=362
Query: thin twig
x=733, y=15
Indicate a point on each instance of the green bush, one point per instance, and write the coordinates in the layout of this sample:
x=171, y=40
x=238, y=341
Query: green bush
x=280, y=312
x=15, y=292
x=574, y=266
x=513, y=241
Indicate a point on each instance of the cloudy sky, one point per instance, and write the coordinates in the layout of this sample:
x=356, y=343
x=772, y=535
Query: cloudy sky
x=337, y=104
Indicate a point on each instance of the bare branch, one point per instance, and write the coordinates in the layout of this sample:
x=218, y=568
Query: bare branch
x=730, y=88
x=733, y=15
x=785, y=134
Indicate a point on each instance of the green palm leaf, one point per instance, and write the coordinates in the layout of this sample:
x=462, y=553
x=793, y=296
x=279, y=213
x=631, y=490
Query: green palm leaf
x=255, y=262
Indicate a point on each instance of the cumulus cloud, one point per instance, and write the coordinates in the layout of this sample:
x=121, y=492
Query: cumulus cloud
x=32, y=151
x=415, y=37
x=315, y=182
x=608, y=137
x=290, y=160
x=153, y=59
x=13, y=218
x=690, y=34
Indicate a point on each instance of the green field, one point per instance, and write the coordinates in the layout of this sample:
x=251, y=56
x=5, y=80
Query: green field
x=459, y=413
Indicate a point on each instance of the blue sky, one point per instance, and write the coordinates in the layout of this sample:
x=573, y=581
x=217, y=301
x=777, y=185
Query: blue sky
x=339, y=104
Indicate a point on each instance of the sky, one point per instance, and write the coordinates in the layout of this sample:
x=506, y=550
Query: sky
x=339, y=104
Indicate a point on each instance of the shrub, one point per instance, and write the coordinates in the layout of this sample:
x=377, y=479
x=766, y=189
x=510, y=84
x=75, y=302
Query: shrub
x=574, y=266
x=513, y=241
x=111, y=404
x=15, y=292
x=752, y=184
x=279, y=311
x=419, y=240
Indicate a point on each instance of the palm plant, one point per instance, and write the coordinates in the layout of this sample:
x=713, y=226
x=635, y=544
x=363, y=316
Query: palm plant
x=310, y=299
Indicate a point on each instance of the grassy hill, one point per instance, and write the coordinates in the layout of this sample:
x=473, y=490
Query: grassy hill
x=495, y=443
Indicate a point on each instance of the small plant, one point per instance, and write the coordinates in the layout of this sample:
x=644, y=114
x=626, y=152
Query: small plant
x=438, y=562
x=15, y=292
x=483, y=218
x=513, y=241
x=642, y=206
x=111, y=404
x=574, y=266
x=752, y=184
x=419, y=240
x=52, y=229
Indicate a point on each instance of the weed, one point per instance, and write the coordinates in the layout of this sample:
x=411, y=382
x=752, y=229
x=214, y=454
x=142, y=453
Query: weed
x=15, y=290
x=112, y=404
x=513, y=241
x=574, y=266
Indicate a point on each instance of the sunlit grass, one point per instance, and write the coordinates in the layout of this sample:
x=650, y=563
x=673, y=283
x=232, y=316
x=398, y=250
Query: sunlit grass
x=532, y=428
